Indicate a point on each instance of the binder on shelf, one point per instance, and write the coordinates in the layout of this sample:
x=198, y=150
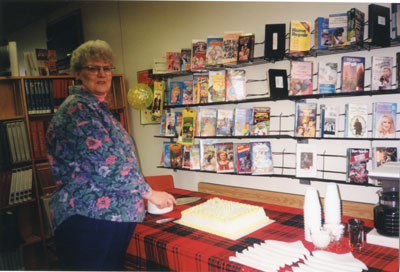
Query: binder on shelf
x=278, y=83
x=274, y=47
x=379, y=25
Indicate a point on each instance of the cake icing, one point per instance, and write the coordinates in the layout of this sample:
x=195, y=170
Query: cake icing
x=225, y=218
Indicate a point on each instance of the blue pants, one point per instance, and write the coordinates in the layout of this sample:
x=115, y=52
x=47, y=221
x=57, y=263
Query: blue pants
x=83, y=243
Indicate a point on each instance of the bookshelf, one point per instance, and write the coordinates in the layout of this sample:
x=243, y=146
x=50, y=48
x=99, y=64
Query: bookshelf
x=31, y=102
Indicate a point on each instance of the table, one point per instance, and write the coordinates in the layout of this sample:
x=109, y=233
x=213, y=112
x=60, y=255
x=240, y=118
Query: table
x=171, y=246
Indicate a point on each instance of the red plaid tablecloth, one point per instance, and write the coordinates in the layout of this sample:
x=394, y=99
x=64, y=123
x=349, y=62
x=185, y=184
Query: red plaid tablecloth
x=171, y=246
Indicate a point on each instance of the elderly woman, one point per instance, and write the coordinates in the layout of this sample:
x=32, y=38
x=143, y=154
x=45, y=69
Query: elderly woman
x=100, y=190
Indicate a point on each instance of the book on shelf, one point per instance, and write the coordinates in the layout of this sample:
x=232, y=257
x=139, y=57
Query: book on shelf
x=173, y=61
x=163, y=124
x=243, y=158
x=9, y=60
x=178, y=122
x=231, y=44
x=41, y=129
x=199, y=50
x=379, y=25
x=166, y=154
x=208, y=158
x=353, y=72
x=395, y=34
x=195, y=157
x=187, y=97
x=384, y=119
x=187, y=132
x=357, y=160
x=22, y=135
x=305, y=119
x=12, y=142
x=243, y=121
x=235, y=84
x=196, y=86
x=215, y=51
x=158, y=98
x=175, y=92
x=381, y=78
x=13, y=184
x=207, y=118
x=216, y=86
x=306, y=160
x=5, y=155
x=299, y=40
x=278, y=83
x=170, y=124
x=203, y=88
x=186, y=157
x=41, y=55
x=225, y=157
x=321, y=33
x=186, y=59
x=35, y=139
x=329, y=120
x=382, y=155
x=275, y=45
x=327, y=77
x=261, y=121
x=30, y=63
x=261, y=158
x=337, y=30
x=175, y=152
x=355, y=26
x=246, y=48
x=356, y=120
x=224, y=122
x=301, y=82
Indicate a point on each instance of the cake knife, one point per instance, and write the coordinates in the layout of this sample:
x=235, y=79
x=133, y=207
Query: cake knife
x=186, y=200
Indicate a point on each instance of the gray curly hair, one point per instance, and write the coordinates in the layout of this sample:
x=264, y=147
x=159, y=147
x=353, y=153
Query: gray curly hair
x=97, y=50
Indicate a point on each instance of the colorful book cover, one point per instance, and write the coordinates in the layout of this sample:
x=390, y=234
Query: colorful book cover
x=302, y=75
x=306, y=117
x=384, y=119
x=353, y=69
x=382, y=155
x=186, y=157
x=170, y=124
x=224, y=122
x=166, y=157
x=243, y=122
x=231, y=44
x=355, y=26
x=199, y=50
x=187, y=132
x=357, y=160
x=196, y=86
x=178, y=122
x=186, y=59
x=175, y=92
x=329, y=120
x=187, y=98
x=235, y=84
x=306, y=160
x=195, y=157
x=327, y=77
x=321, y=33
x=243, y=158
x=175, y=151
x=381, y=73
x=203, y=88
x=208, y=158
x=173, y=61
x=215, y=51
x=163, y=124
x=299, y=38
x=261, y=158
x=216, y=86
x=261, y=119
x=356, y=120
x=337, y=30
x=225, y=157
x=158, y=98
x=207, y=121
x=246, y=48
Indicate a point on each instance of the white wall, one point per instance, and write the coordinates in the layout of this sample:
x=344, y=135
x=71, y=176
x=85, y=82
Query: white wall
x=140, y=31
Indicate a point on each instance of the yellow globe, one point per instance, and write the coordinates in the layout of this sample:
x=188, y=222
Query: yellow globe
x=140, y=96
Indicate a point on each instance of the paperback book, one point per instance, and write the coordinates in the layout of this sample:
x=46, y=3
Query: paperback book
x=357, y=160
x=187, y=97
x=243, y=122
x=306, y=160
x=243, y=158
x=199, y=48
x=235, y=84
x=195, y=157
x=175, y=151
x=356, y=121
x=216, y=86
x=208, y=157
x=186, y=59
x=202, y=88
x=321, y=33
x=261, y=158
x=384, y=119
x=175, y=92
x=355, y=26
x=327, y=77
x=231, y=44
x=207, y=118
x=246, y=48
x=186, y=157
x=337, y=30
x=302, y=75
x=299, y=38
x=215, y=51
x=329, y=120
x=305, y=121
x=353, y=69
x=224, y=122
x=381, y=73
x=261, y=119
x=225, y=157
x=173, y=61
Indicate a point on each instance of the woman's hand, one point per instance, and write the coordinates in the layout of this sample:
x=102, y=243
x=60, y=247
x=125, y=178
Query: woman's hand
x=160, y=199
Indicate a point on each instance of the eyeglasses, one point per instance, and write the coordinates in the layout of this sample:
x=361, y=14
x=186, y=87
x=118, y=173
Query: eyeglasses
x=95, y=70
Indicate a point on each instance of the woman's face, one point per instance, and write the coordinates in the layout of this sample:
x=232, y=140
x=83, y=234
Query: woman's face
x=386, y=124
x=96, y=76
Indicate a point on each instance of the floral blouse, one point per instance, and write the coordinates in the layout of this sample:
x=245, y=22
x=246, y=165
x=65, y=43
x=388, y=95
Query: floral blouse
x=93, y=162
